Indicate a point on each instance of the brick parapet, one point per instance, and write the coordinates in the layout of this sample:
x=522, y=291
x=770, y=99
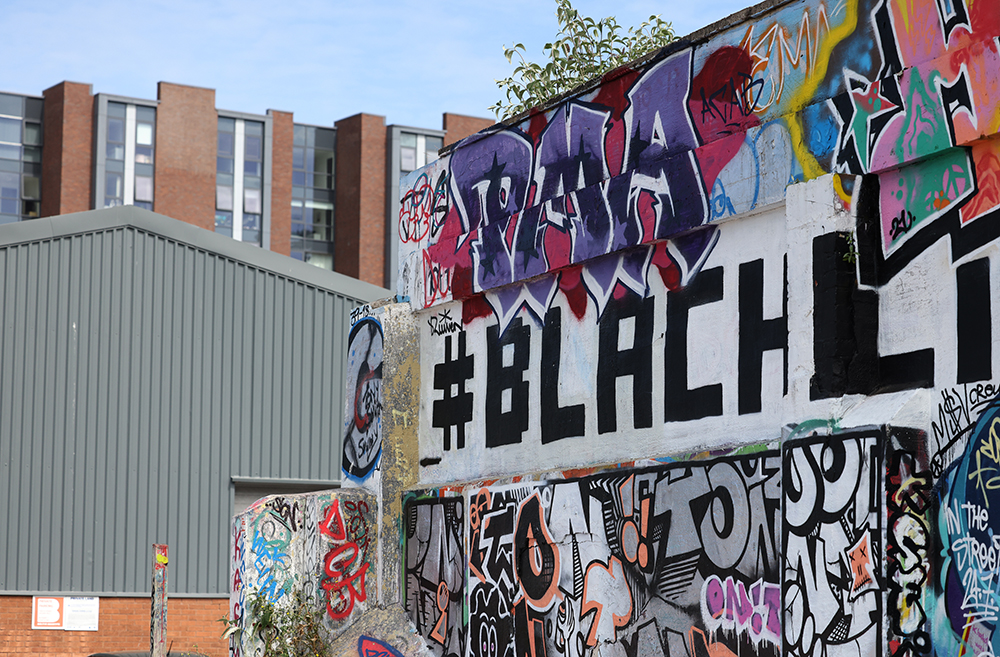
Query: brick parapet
x=459, y=126
x=67, y=149
x=283, y=129
x=360, y=198
x=186, y=145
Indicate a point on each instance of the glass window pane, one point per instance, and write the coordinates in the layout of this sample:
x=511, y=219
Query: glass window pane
x=32, y=188
x=31, y=153
x=407, y=140
x=298, y=177
x=407, y=159
x=226, y=143
x=299, y=158
x=115, y=165
x=8, y=185
x=323, y=181
x=143, y=169
x=253, y=148
x=297, y=230
x=300, y=135
x=251, y=221
x=10, y=105
x=12, y=152
x=33, y=134
x=31, y=208
x=144, y=154
x=223, y=165
x=116, y=151
x=143, y=134
x=227, y=125
x=434, y=144
x=144, y=188
x=144, y=205
x=224, y=219
x=297, y=211
x=321, y=260
x=33, y=109
x=11, y=165
x=251, y=201
x=224, y=179
x=8, y=205
x=113, y=185
x=254, y=128
x=116, y=109
x=116, y=130
x=251, y=182
x=10, y=130
x=251, y=168
x=251, y=237
x=326, y=139
x=223, y=197
x=323, y=161
x=145, y=114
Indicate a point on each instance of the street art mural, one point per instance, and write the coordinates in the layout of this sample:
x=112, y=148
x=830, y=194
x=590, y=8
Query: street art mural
x=902, y=90
x=766, y=550
x=314, y=547
x=363, y=413
x=777, y=244
x=434, y=571
x=707, y=360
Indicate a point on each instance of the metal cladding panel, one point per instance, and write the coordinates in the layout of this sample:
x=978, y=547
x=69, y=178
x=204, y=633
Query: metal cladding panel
x=139, y=374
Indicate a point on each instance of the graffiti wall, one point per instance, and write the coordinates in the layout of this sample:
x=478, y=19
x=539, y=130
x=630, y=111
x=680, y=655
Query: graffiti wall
x=902, y=90
x=707, y=362
x=362, y=437
x=765, y=550
x=316, y=549
x=704, y=360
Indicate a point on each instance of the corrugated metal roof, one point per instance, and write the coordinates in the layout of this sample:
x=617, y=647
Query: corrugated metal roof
x=144, y=363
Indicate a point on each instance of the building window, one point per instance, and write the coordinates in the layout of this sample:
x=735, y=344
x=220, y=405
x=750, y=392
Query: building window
x=239, y=178
x=416, y=151
x=20, y=157
x=313, y=159
x=129, y=155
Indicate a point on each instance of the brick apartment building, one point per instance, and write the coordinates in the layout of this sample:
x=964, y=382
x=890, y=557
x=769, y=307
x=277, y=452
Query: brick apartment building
x=323, y=195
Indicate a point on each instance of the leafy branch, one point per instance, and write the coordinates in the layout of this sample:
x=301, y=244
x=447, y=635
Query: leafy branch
x=584, y=49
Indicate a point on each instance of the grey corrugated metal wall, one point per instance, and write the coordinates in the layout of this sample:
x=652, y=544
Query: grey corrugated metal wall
x=137, y=376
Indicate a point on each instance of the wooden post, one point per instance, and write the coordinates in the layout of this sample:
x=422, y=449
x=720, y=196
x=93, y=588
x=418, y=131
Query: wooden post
x=158, y=612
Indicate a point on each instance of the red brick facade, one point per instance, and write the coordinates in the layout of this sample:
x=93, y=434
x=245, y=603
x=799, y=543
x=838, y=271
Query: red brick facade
x=458, y=126
x=67, y=157
x=359, y=216
x=192, y=624
x=282, y=131
x=186, y=144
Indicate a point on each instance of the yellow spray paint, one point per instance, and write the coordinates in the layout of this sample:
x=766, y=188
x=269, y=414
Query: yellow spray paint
x=810, y=166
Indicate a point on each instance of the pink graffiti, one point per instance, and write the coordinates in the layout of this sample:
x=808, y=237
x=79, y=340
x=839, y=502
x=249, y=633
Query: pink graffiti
x=728, y=605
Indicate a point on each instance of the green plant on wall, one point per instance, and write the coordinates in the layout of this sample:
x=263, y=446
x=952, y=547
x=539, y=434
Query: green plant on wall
x=583, y=49
x=292, y=629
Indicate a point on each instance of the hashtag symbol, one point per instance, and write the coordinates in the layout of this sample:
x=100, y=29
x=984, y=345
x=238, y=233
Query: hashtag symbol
x=450, y=377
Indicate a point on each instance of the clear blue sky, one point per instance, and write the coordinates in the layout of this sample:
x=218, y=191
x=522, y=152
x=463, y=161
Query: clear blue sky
x=322, y=59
